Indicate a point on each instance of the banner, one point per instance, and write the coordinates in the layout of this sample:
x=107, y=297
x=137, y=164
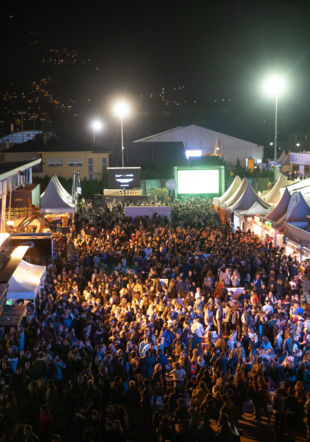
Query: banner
x=122, y=192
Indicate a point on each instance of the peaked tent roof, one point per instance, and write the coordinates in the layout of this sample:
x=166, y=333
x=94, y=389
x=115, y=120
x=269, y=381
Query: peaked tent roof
x=284, y=158
x=247, y=199
x=230, y=201
x=279, y=223
x=298, y=209
x=280, y=210
x=231, y=190
x=274, y=195
x=255, y=210
x=177, y=134
x=302, y=186
x=296, y=234
x=25, y=281
x=56, y=199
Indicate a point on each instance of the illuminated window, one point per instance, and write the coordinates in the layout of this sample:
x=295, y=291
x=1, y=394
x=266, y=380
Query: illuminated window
x=104, y=162
x=54, y=162
x=193, y=153
x=75, y=162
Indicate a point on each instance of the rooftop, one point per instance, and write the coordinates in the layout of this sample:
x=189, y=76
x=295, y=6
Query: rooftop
x=8, y=169
x=53, y=144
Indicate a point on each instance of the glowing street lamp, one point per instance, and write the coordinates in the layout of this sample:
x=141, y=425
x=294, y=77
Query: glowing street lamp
x=96, y=126
x=274, y=86
x=122, y=110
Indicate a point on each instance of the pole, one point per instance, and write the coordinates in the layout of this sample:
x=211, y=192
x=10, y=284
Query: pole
x=122, y=141
x=275, y=135
x=3, y=205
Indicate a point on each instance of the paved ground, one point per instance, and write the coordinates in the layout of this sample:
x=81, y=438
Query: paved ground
x=250, y=431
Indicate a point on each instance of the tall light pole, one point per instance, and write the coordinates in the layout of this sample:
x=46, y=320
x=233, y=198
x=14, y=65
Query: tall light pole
x=122, y=110
x=96, y=126
x=274, y=86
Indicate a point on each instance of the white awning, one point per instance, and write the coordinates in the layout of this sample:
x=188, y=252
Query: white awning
x=26, y=281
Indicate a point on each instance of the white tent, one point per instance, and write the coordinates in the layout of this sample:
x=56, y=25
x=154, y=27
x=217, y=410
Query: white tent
x=56, y=199
x=284, y=158
x=247, y=199
x=294, y=233
x=274, y=195
x=280, y=210
x=236, y=195
x=298, y=209
x=302, y=186
x=255, y=210
x=26, y=281
x=231, y=190
x=296, y=213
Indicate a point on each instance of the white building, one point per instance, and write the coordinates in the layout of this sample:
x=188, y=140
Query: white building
x=198, y=140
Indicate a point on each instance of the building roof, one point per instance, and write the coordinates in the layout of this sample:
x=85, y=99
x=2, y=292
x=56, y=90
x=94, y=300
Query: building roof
x=53, y=144
x=179, y=130
x=8, y=169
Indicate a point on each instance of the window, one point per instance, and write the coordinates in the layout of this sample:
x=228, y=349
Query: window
x=54, y=162
x=90, y=168
x=74, y=162
x=104, y=163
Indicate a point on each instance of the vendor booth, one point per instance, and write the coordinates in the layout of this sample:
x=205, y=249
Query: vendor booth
x=247, y=199
x=245, y=218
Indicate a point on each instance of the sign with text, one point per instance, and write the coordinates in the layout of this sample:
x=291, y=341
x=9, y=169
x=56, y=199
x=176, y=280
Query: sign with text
x=123, y=177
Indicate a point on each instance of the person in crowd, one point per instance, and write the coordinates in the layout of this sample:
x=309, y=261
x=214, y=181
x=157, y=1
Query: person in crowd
x=137, y=334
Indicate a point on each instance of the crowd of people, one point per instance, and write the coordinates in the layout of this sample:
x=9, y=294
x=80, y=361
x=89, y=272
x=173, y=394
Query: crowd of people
x=158, y=330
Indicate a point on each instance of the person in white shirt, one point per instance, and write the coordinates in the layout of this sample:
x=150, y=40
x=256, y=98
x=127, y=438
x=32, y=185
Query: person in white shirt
x=267, y=308
x=197, y=328
x=279, y=341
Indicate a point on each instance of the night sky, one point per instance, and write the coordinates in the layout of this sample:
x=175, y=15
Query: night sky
x=213, y=50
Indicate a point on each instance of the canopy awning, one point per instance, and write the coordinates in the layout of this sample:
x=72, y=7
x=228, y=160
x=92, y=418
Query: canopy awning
x=26, y=281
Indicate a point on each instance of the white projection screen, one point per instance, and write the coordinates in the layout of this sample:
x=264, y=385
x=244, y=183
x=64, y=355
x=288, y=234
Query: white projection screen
x=198, y=181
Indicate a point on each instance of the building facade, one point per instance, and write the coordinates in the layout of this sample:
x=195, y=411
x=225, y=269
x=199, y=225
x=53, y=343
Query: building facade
x=198, y=140
x=60, y=160
x=90, y=164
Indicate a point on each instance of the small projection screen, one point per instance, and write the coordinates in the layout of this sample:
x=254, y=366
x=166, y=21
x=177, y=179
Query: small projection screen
x=199, y=181
x=124, y=178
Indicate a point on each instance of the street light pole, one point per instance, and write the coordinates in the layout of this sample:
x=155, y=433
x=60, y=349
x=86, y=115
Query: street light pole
x=275, y=134
x=274, y=86
x=96, y=126
x=122, y=142
x=122, y=110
